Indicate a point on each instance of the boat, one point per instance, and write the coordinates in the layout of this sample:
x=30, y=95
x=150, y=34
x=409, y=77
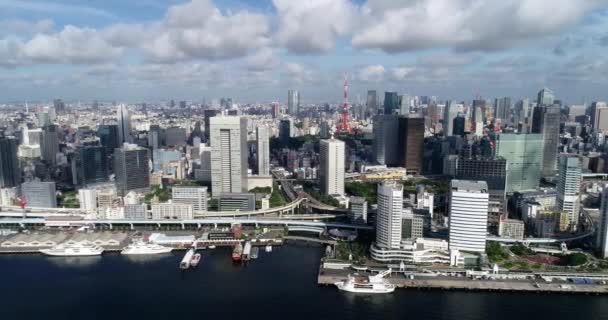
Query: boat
x=195, y=260
x=268, y=248
x=247, y=251
x=73, y=250
x=237, y=252
x=185, y=263
x=255, y=252
x=367, y=284
x=211, y=246
x=138, y=248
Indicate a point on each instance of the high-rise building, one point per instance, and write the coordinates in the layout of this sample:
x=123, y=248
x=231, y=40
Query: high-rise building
x=546, y=122
x=275, y=109
x=598, y=115
x=208, y=114
x=175, y=137
x=568, y=187
x=411, y=141
x=494, y=172
x=458, y=125
x=391, y=102
x=39, y=194
x=90, y=165
x=132, y=169
x=449, y=113
x=203, y=172
x=263, y=150
x=546, y=97
x=386, y=146
x=229, y=154
x=10, y=171
x=524, y=156
x=602, y=230
x=331, y=168
x=286, y=130
x=405, y=102
x=357, y=211
x=59, y=106
x=388, y=218
x=372, y=102
x=502, y=108
x=50, y=144
x=194, y=196
x=108, y=137
x=293, y=102
x=468, y=213
x=124, y=124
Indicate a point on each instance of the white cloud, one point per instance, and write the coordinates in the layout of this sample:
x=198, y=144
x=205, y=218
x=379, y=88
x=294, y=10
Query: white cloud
x=23, y=28
x=313, y=26
x=372, y=73
x=398, y=26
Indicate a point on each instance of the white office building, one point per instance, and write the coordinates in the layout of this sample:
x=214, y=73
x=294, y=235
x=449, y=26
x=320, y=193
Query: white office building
x=388, y=218
x=263, y=150
x=468, y=215
x=602, y=228
x=331, y=170
x=39, y=194
x=172, y=211
x=568, y=187
x=228, y=154
x=87, y=199
x=194, y=196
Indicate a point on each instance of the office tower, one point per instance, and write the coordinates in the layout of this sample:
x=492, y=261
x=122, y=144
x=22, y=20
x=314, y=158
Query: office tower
x=494, y=172
x=229, y=154
x=59, y=106
x=391, y=102
x=546, y=122
x=468, y=212
x=50, y=144
x=357, y=213
x=386, y=143
x=524, y=156
x=208, y=114
x=404, y=104
x=286, y=130
x=194, y=196
x=108, y=137
x=10, y=171
x=520, y=115
x=132, y=169
x=502, y=108
x=412, y=225
x=263, y=150
x=324, y=130
x=275, y=109
x=293, y=102
x=175, y=137
x=331, y=166
x=546, y=97
x=90, y=166
x=458, y=125
x=237, y=201
x=602, y=228
x=411, y=141
x=33, y=136
x=203, y=172
x=182, y=104
x=432, y=113
x=479, y=107
x=124, y=124
x=388, y=218
x=598, y=115
x=87, y=198
x=372, y=102
x=568, y=187
x=449, y=113
x=39, y=194
x=155, y=137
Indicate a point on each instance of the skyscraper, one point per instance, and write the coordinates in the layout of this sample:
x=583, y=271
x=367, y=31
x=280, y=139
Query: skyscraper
x=229, y=154
x=10, y=171
x=546, y=122
x=372, y=102
x=293, y=102
x=411, y=141
x=494, y=172
x=124, y=124
x=524, y=156
x=598, y=114
x=568, y=187
x=388, y=218
x=458, y=125
x=90, y=165
x=391, y=102
x=50, y=144
x=404, y=104
x=386, y=143
x=602, y=230
x=331, y=168
x=468, y=212
x=545, y=97
x=208, y=114
x=449, y=113
x=286, y=130
x=502, y=108
x=108, y=137
x=263, y=150
x=132, y=169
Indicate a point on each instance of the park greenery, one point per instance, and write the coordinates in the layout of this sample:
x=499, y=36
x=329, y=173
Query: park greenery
x=521, y=250
x=367, y=190
x=496, y=253
x=574, y=259
x=163, y=195
x=68, y=199
x=276, y=197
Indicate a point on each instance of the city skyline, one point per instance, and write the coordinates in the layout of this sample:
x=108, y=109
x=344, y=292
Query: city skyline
x=153, y=50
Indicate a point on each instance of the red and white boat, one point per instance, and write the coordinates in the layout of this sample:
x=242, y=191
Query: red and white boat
x=237, y=252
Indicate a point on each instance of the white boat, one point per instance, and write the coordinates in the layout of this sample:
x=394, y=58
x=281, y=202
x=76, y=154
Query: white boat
x=268, y=248
x=366, y=284
x=138, y=248
x=185, y=263
x=73, y=250
x=211, y=246
x=254, y=252
x=195, y=260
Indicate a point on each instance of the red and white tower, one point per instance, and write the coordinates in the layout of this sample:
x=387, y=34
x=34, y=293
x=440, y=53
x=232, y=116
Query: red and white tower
x=344, y=121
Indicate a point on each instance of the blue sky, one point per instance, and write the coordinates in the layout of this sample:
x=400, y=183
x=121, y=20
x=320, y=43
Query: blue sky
x=253, y=51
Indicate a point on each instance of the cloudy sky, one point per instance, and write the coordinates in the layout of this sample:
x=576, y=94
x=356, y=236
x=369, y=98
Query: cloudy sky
x=254, y=50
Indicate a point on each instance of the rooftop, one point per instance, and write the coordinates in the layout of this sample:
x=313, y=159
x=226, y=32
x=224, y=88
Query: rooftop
x=469, y=185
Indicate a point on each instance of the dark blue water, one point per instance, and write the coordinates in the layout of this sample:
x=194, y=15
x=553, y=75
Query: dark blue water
x=279, y=285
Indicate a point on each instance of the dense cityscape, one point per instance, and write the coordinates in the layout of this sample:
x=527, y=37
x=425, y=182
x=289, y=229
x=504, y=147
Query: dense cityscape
x=326, y=159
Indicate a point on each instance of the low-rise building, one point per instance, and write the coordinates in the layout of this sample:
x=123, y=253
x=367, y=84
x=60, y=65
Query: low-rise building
x=511, y=228
x=172, y=211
